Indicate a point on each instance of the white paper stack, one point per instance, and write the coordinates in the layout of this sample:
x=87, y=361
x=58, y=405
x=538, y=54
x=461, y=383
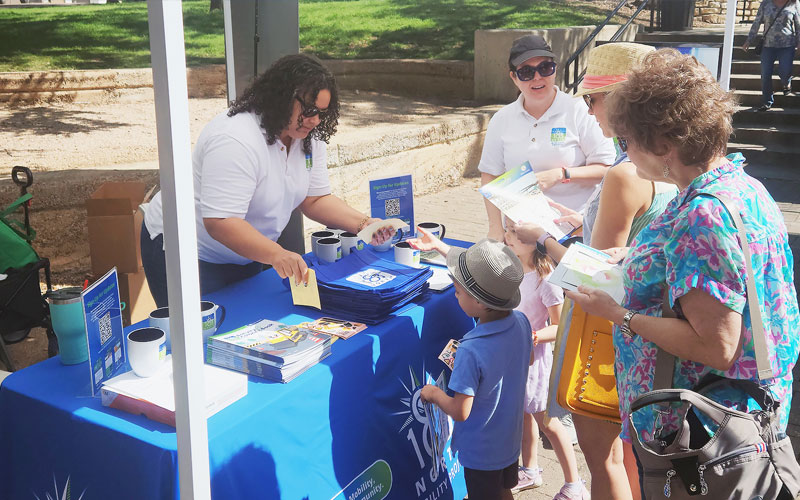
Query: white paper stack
x=154, y=397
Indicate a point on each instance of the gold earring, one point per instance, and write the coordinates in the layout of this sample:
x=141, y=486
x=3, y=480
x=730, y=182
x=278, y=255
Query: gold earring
x=665, y=170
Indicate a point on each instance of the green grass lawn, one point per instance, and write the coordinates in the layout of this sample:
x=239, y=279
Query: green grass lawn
x=116, y=35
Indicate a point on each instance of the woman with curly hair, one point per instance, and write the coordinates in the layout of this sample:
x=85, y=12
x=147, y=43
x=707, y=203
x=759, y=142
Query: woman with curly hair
x=675, y=121
x=253, y=165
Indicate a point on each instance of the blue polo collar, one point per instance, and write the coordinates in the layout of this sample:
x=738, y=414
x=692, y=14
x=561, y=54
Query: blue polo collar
x=492, y=327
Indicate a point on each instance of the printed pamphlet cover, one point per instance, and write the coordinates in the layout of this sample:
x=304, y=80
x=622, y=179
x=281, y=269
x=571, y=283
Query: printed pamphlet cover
x=439, y=426
x=393, y=198
x=332, y=326
x=518, y=196
x=102, y=313
x=583, y=265
x=448, y=354
x=271, y=340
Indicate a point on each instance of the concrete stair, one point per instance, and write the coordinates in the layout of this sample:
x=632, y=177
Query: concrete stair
x=770, y=141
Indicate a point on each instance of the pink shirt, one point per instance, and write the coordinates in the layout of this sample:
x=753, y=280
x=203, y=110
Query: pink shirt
x=537, y=295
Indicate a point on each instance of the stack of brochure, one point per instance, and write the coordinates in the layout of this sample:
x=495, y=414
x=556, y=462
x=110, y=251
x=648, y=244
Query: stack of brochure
x=269, y=349
x=366, y=287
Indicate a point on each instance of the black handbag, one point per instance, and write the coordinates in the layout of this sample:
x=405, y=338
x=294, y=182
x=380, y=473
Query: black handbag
x=746, y=457
x=759, y=46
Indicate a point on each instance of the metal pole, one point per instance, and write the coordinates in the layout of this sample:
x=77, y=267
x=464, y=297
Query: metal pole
x=168, y=57
x=230, y=66
x=727, y=46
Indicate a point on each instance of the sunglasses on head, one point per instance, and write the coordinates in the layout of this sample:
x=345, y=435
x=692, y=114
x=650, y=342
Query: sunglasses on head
x=623, y=144
x=526, y=73
x=310, y=111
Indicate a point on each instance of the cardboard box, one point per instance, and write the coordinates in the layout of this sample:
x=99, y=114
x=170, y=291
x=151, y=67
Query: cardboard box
x=115, y=224
x=133, y=290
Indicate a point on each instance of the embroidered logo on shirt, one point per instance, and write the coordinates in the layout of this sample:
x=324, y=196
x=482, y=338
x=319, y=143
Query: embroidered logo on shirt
x=309, y=163
x=558, y=136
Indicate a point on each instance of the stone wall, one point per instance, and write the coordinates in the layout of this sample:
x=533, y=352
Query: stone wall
x=713, y=11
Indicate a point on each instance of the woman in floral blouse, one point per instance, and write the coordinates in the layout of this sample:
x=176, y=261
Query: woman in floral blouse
x=676, y=121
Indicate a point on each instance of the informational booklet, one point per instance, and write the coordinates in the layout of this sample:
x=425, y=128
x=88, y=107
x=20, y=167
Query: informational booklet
x=583, y=265
x=272, y=340
x=518, y=196
x=339, y=327
x=439, y=426
x=154, y=397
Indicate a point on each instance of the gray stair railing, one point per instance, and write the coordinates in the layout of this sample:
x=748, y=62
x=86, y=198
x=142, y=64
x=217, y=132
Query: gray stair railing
x=572, y=73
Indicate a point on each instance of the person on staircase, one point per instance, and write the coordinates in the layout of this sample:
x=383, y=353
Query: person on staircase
x=781, y=19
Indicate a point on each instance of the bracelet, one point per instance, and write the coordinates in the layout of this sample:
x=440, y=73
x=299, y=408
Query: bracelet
x=363, y=223
x=566, y=178
x=535, y=338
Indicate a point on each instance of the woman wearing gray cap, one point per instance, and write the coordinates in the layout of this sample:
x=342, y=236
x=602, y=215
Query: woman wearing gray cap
x=546, y=127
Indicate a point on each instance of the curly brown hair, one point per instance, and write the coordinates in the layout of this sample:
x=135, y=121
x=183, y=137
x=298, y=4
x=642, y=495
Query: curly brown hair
x=273, y=93
x=670, y=99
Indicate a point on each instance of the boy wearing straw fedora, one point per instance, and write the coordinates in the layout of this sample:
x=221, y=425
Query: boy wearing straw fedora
x=491, y=367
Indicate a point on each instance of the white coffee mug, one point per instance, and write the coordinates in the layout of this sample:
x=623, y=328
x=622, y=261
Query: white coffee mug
x=147, y=349
x=318, y=235
x=159, y=318
x=405, y=254
x=337, y=233
x=212, y=316
x=329, y=249
x=350, y=243
x=434, y=228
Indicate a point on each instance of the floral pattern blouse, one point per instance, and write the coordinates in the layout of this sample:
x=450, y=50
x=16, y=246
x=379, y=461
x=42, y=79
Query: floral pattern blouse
x=695, y=244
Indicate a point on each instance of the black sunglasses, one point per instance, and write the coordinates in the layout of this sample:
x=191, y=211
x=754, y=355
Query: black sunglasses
x=623, y=144
x=311, y=111
x=526, y=73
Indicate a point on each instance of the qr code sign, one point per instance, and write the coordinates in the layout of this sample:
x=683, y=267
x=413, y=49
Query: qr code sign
x=392, y=207
x=105, y=327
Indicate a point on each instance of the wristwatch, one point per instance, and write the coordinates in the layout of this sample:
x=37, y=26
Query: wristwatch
x=566, y=178
x=540, y=242
x=625, y=329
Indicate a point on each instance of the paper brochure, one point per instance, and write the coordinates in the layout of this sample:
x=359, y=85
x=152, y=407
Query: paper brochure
x=518, y=196
x=583, y=265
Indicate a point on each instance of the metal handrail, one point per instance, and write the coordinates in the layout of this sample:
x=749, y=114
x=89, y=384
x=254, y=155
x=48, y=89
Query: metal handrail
x=574, y=59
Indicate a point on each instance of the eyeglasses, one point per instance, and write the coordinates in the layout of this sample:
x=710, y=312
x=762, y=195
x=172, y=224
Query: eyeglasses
x=526, y=73
x=623, y=144
x=311, y=111
x=588, y=100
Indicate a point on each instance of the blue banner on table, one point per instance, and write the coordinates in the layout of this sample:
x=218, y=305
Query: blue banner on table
x=393, y=198
x=105, y=338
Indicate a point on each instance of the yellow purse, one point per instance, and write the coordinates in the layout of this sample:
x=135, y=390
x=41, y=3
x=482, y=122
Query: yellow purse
x=585, y=383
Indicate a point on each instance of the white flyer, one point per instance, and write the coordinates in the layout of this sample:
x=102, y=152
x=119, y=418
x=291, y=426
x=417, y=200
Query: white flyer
x=583, y=265
x=518, y=196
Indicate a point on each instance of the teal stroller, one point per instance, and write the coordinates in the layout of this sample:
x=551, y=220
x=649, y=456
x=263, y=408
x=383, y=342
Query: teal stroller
x=22, y=304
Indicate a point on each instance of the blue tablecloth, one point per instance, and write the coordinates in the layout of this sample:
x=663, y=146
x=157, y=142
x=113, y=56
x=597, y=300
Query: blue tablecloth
x=350, y=428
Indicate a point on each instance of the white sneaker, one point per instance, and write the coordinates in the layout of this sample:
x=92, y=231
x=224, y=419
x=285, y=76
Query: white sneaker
x=566, y=494
x=526, y=481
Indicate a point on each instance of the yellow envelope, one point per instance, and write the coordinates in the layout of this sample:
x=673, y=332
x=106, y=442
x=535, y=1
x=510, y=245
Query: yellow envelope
x=306, y=295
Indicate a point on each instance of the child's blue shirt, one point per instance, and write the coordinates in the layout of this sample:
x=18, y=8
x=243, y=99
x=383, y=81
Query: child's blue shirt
x=492, y=366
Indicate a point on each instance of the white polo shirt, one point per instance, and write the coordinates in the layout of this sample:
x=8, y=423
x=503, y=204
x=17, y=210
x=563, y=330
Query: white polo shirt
x=565, y=136
x=237, y=174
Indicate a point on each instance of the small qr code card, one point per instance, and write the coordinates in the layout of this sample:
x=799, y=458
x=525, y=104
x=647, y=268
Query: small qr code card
x=448, y=354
